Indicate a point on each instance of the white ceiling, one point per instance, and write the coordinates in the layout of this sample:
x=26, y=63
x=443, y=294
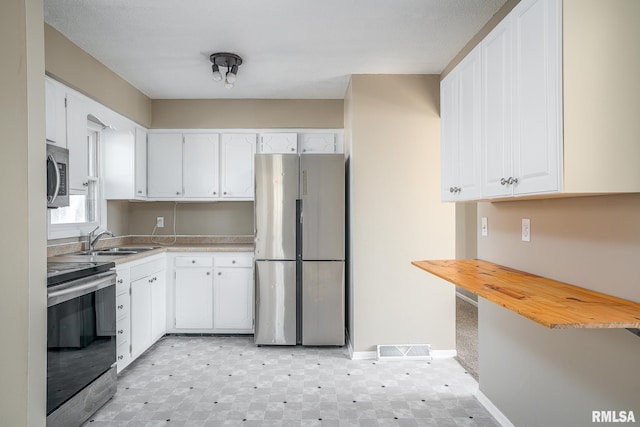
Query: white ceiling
x=302, y=49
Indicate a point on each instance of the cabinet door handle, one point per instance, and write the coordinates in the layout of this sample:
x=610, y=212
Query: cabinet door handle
x=193, y=261
x=177, y=193
x=219, y=273
x=208, y=273
x=503, y=181
x=120, y=281
x=85, y=184
x=120, y=357
x=121, y=306
x=121, y=331
x=233, y=262
x=452, y=189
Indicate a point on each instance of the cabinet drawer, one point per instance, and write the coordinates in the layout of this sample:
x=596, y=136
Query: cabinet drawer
x=123, y=302
x=122, y=331
x=122, y=354
x=147, y=268
x=194, y=261
x=122, y=281
x=234, y=260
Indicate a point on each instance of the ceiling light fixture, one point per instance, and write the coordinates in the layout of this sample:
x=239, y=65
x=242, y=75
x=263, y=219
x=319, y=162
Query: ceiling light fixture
x=230, y=61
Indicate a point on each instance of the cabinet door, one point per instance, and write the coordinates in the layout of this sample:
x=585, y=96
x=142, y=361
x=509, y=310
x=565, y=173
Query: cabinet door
x=77, y=134
x=318, y=143
x=193, y=298
x=140, y=163
x=158, y=305
x=164, y=166
x=140, y=316
x=118, y=151
x=278, y=143
x=200, y=165
x=496, y=111
x=56, y=126
x=469, y=175
x=233, y=298
x=449, y=104
x=237, y=153
x=536, y=96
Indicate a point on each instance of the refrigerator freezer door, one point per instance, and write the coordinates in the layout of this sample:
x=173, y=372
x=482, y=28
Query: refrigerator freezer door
x=322, y=183
x=323, y=303
x=275, y=303
x=276, y=191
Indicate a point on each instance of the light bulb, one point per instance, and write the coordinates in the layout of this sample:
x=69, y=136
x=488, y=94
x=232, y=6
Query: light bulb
x=228, y=85
x=217, y=76
x=232, y=73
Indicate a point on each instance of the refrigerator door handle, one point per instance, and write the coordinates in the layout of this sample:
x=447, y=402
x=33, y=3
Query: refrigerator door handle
x=304, y=182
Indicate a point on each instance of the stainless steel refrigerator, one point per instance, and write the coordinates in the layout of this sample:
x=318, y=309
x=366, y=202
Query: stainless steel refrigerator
x=299, y=249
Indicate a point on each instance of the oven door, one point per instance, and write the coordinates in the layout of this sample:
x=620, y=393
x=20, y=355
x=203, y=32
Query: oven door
x=81, y=335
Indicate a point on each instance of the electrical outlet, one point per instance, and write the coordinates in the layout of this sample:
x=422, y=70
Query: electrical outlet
x=526, y=230
x=484, y=227
x=160, y=222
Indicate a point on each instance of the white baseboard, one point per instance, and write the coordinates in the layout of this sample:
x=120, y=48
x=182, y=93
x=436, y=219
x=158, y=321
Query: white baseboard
x=443, y=354
x=364, y=355
x=467, y=299
x=493, y=410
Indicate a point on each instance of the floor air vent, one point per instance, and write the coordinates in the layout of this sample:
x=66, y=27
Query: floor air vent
x=404, y=352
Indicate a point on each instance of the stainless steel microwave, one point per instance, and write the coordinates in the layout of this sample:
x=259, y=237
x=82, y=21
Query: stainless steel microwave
x=57, y=176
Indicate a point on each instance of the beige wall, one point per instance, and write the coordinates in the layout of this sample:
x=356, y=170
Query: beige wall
x=74, y=67
x=396, y=215
x=23, y=297
x=217, y=218
x=561, y=376
x=490, y=25
x=247, y=113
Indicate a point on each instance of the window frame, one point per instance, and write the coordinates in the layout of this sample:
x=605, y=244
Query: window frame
x=81, y=229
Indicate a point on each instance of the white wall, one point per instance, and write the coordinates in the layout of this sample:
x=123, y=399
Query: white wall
x=541, y=377
x=393, y=131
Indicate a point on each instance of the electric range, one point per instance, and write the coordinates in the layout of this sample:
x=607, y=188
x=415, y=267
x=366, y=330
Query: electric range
x=60, y=272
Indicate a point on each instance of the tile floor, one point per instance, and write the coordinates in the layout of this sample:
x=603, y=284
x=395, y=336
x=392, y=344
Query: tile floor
x=228, y=381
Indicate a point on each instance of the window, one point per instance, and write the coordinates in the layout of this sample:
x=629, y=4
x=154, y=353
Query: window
x=84, y=211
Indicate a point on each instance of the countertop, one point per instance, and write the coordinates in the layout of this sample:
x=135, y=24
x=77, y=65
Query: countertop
x=66, y=252
x=553, y=304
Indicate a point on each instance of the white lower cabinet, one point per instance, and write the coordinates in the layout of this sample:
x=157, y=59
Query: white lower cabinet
x=193, y=292
x=140, y=307
x=233, y=293
x=212, y=293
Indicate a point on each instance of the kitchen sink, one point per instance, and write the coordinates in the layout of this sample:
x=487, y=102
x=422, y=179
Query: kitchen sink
x=118, y=251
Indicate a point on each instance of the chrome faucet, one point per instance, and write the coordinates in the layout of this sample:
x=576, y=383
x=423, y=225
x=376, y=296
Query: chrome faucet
x=93, y=238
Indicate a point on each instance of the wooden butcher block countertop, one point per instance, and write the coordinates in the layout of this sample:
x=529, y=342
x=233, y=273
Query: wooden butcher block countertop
x=553, y=304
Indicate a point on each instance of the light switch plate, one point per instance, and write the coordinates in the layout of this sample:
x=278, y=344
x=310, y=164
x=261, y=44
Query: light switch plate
x=160, y=222
x=484, y=226
x=526, y=230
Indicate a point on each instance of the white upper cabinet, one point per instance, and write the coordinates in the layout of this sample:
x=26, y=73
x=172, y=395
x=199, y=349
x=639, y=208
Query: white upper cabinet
x=164, y=165
x=200, y=165
x=237, y=173
x=56, y=126
x=77, y=143
x=278, y=143
x=460, y=139
x=140, y=163
x=496, y=111
x=125, y=163
x=521, y=138
x=509, y=94
x=536, y=100
x=318, y=143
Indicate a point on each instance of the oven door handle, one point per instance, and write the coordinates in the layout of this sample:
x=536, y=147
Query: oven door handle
x=75, y=289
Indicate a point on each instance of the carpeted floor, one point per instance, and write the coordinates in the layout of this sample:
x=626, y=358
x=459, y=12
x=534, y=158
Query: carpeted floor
x=467, y=336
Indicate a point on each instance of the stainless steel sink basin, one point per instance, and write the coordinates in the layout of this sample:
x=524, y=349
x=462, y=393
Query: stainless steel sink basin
x=118, y=251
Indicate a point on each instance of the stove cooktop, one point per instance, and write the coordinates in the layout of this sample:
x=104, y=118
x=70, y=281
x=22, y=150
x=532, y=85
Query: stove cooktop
x=60, y=272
